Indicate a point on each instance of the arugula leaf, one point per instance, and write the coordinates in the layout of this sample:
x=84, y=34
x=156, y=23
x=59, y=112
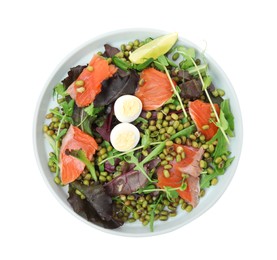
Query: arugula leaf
x=185, y=132
x=68, y=107
x=222, y=145
x=171, y=63
x=110, y=153
x=155, y=152
x=61, y=134
x=171, y=193
x=130, y=158
x=226, y=117
x=59, y=89
x=223, y=122
x=146, y=140
x=205, y=181
x=186, y=64
x=207, y=82
x=140, y=120
x=90, y=110
x=152, y=214
x=86, y=117
x=147, y=189
x=158, y=65
x=162, y=59
x=162, y=62
x=53, y=159
x=225, y=108
x=228, y=162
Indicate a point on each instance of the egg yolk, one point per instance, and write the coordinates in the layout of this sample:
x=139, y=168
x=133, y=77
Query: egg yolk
x=130, y=107
x=124, y=141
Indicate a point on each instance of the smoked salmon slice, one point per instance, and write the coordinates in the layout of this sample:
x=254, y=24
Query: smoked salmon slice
x=189, y=165
x=88, y=84
x=200, y=113
x=75, y=139
x=155, y=89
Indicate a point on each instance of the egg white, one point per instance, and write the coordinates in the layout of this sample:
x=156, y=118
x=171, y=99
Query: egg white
x=127, y=108
x=124, y=137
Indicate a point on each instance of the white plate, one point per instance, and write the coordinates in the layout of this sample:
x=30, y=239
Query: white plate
x=81, y=56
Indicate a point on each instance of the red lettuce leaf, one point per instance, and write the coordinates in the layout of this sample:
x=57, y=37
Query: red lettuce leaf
x=97, y=207
x=110, y=51
x=191, y=89
x=118, y=85
x=126, y=183
x=106, y=128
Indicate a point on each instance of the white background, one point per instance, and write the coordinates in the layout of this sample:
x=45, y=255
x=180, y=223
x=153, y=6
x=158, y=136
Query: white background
x=241, y=37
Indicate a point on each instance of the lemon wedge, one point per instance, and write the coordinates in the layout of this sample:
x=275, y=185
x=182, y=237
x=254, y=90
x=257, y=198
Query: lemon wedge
x=154, y=49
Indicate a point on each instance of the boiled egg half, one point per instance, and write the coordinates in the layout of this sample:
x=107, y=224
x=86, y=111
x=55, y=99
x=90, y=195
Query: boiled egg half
x=124, y=137
x=127, y=108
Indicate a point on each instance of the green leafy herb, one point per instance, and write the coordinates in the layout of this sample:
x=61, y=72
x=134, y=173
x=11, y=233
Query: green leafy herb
x=158, y=65
x=202, y=69
x=59, y=89
x=162, y=60
x=131, y=158
x=223, y=122
x=118, y=155
x=146, y=140
x=61, y=134
x=147, y=189
x=143, y=65
x=110, y=153
x=140, y=120
x=152, y=214
x=228, y=117
x=80, y=155
x=171, y=63
x=155, y=152
x=90, y=110
x=68, y=107
x=121, y=64
x=205, y=181
x=171, y=193
x=227, y=126
x=207, y=82
x=222, y=146
x=88, y=116
x=185, y=132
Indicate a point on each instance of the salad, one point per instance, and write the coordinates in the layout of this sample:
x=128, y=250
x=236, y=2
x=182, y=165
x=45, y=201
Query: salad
x=139, y=133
